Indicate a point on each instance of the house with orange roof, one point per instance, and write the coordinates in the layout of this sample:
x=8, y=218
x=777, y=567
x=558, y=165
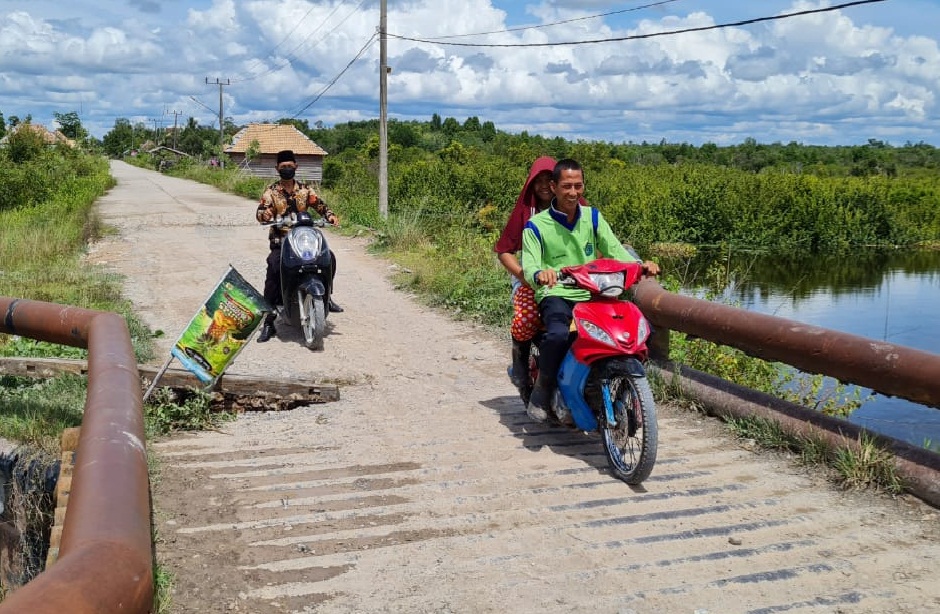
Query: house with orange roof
x=50, y=137
x=263, y=141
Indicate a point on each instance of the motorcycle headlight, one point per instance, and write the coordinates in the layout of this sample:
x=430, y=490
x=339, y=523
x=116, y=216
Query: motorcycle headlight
x=642, y=330
x=610, y=284
x=597, y=333
x=305, y=242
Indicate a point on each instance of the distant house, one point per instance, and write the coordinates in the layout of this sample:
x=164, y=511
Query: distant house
x=167, y=152
x=53, y=137
x=270, y=139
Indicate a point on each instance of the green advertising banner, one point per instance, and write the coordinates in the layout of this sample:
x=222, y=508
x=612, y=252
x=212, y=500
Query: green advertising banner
x=223, y=326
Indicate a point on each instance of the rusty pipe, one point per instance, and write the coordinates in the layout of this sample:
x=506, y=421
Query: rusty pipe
x=890, y=369
x=105, y=558
x=918, y=468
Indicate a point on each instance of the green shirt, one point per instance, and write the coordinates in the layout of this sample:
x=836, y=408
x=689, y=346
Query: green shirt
x=550, y=242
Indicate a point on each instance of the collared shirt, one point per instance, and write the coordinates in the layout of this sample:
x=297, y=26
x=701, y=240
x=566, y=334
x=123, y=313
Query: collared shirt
x=278, y=202
x=550, y=241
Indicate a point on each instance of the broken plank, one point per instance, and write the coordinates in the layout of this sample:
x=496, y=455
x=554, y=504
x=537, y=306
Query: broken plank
x=229, y=383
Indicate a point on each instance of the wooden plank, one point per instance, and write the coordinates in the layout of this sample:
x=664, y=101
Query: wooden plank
x=229, y=384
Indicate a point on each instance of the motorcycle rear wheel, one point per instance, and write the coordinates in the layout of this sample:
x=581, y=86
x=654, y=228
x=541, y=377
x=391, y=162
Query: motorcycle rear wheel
x=313, y=320
x=631, y=444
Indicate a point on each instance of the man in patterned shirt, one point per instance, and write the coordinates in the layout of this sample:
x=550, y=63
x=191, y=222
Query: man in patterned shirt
x=284, y=197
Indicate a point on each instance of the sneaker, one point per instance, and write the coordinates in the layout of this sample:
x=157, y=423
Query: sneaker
x=536, y=413
x=267, y=331
x=540, y=399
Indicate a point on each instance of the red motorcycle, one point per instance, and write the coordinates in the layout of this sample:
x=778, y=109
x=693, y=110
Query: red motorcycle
x=602, y=384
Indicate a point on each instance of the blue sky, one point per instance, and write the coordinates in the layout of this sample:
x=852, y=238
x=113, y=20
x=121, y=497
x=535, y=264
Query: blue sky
x=833, y=78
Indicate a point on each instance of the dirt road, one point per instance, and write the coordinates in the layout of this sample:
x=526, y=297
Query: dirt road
x=427, y=489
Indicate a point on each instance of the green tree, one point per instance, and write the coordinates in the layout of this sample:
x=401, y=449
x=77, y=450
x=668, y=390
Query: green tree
x=3, y=126
x=25, y=145
x=119, y=139
x=71, y=125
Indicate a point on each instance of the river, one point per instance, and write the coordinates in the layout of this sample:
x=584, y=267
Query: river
x=891, y=296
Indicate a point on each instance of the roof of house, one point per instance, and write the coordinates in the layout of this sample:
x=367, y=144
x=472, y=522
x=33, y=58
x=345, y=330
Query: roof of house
x=272, y=138
x=50, y=137
x=163, y=148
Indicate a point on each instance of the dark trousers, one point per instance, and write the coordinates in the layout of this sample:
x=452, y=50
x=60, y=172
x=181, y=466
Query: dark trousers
x=556, y=317
x=272, y=278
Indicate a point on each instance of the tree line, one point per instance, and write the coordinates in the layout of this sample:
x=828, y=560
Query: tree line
x=775, y=196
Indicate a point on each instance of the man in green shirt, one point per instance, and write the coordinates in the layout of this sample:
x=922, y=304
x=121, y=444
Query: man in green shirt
x=565, y=234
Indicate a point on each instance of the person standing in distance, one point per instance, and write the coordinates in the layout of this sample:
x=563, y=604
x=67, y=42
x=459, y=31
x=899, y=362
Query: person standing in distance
x=286, y=197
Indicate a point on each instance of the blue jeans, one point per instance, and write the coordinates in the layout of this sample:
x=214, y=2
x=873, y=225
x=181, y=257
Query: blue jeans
x=556, y=316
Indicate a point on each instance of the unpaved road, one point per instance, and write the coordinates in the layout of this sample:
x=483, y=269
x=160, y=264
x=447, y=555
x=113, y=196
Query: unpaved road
x=426, y=488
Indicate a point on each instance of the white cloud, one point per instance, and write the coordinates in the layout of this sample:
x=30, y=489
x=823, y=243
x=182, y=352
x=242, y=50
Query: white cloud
x=822, y=78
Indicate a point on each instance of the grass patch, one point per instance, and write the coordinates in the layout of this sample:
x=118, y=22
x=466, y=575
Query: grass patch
x=162, y=590
x=869, y=466
x=35, y=412
x=169, y=410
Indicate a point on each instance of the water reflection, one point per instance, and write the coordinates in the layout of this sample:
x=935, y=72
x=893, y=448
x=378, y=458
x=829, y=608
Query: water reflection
x=885, y=295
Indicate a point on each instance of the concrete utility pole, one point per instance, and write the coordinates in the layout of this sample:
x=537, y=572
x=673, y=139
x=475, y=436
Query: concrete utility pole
x=221, y=120
x=383, y=110
x=176, y=115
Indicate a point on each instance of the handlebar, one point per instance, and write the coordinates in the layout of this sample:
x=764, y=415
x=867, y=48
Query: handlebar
x=289, y=223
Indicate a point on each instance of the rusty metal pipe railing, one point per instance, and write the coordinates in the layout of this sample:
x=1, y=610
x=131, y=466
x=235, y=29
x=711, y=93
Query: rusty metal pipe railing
x=105, y=559
x=918, y=467
x=893, y=370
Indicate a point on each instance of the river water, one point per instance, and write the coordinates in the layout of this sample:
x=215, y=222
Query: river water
x=891, y=296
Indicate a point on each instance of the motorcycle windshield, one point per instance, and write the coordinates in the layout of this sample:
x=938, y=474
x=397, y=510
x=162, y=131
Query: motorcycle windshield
x=305, y=242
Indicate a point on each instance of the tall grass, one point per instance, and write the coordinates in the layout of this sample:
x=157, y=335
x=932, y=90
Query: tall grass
x=42, y=248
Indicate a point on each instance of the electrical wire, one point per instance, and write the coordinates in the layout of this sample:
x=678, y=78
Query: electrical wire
x=290, y=54
x=289, y=34
x=337, y=77
x=556, y=23
x=742, y=22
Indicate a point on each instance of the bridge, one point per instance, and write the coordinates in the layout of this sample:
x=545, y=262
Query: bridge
x=427, y=489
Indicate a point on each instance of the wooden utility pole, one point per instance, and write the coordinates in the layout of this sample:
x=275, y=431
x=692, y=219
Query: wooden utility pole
x=220, y=83
x=383, y=110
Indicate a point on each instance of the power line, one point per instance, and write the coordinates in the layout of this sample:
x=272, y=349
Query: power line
x=290, y=54
x=336, y=78
x=743, y=22
x=556, y=23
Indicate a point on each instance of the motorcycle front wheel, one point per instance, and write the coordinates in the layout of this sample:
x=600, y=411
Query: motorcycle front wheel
x=631, y=443
x=312, y=320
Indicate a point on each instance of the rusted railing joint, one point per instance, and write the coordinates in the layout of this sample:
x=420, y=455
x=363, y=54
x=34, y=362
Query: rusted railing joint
x=105, y=559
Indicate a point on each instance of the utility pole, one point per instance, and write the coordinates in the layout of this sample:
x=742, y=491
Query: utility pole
x=221, y=120
x=175, y=114
x=383, y=110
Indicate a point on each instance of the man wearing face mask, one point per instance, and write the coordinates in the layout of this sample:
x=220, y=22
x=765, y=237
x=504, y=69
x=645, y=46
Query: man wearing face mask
x=282, y=198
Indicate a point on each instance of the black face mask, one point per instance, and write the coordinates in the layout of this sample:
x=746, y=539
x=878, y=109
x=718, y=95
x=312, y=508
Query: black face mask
x=286, y=173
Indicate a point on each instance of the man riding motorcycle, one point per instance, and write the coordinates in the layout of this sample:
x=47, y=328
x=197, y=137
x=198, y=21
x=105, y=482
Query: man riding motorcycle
x=564, y=234
x=281, y=198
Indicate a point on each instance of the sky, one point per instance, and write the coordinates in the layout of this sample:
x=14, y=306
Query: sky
x=841, y=77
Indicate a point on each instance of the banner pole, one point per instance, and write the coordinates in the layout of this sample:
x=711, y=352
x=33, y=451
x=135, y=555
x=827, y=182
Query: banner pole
x=156, y=378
